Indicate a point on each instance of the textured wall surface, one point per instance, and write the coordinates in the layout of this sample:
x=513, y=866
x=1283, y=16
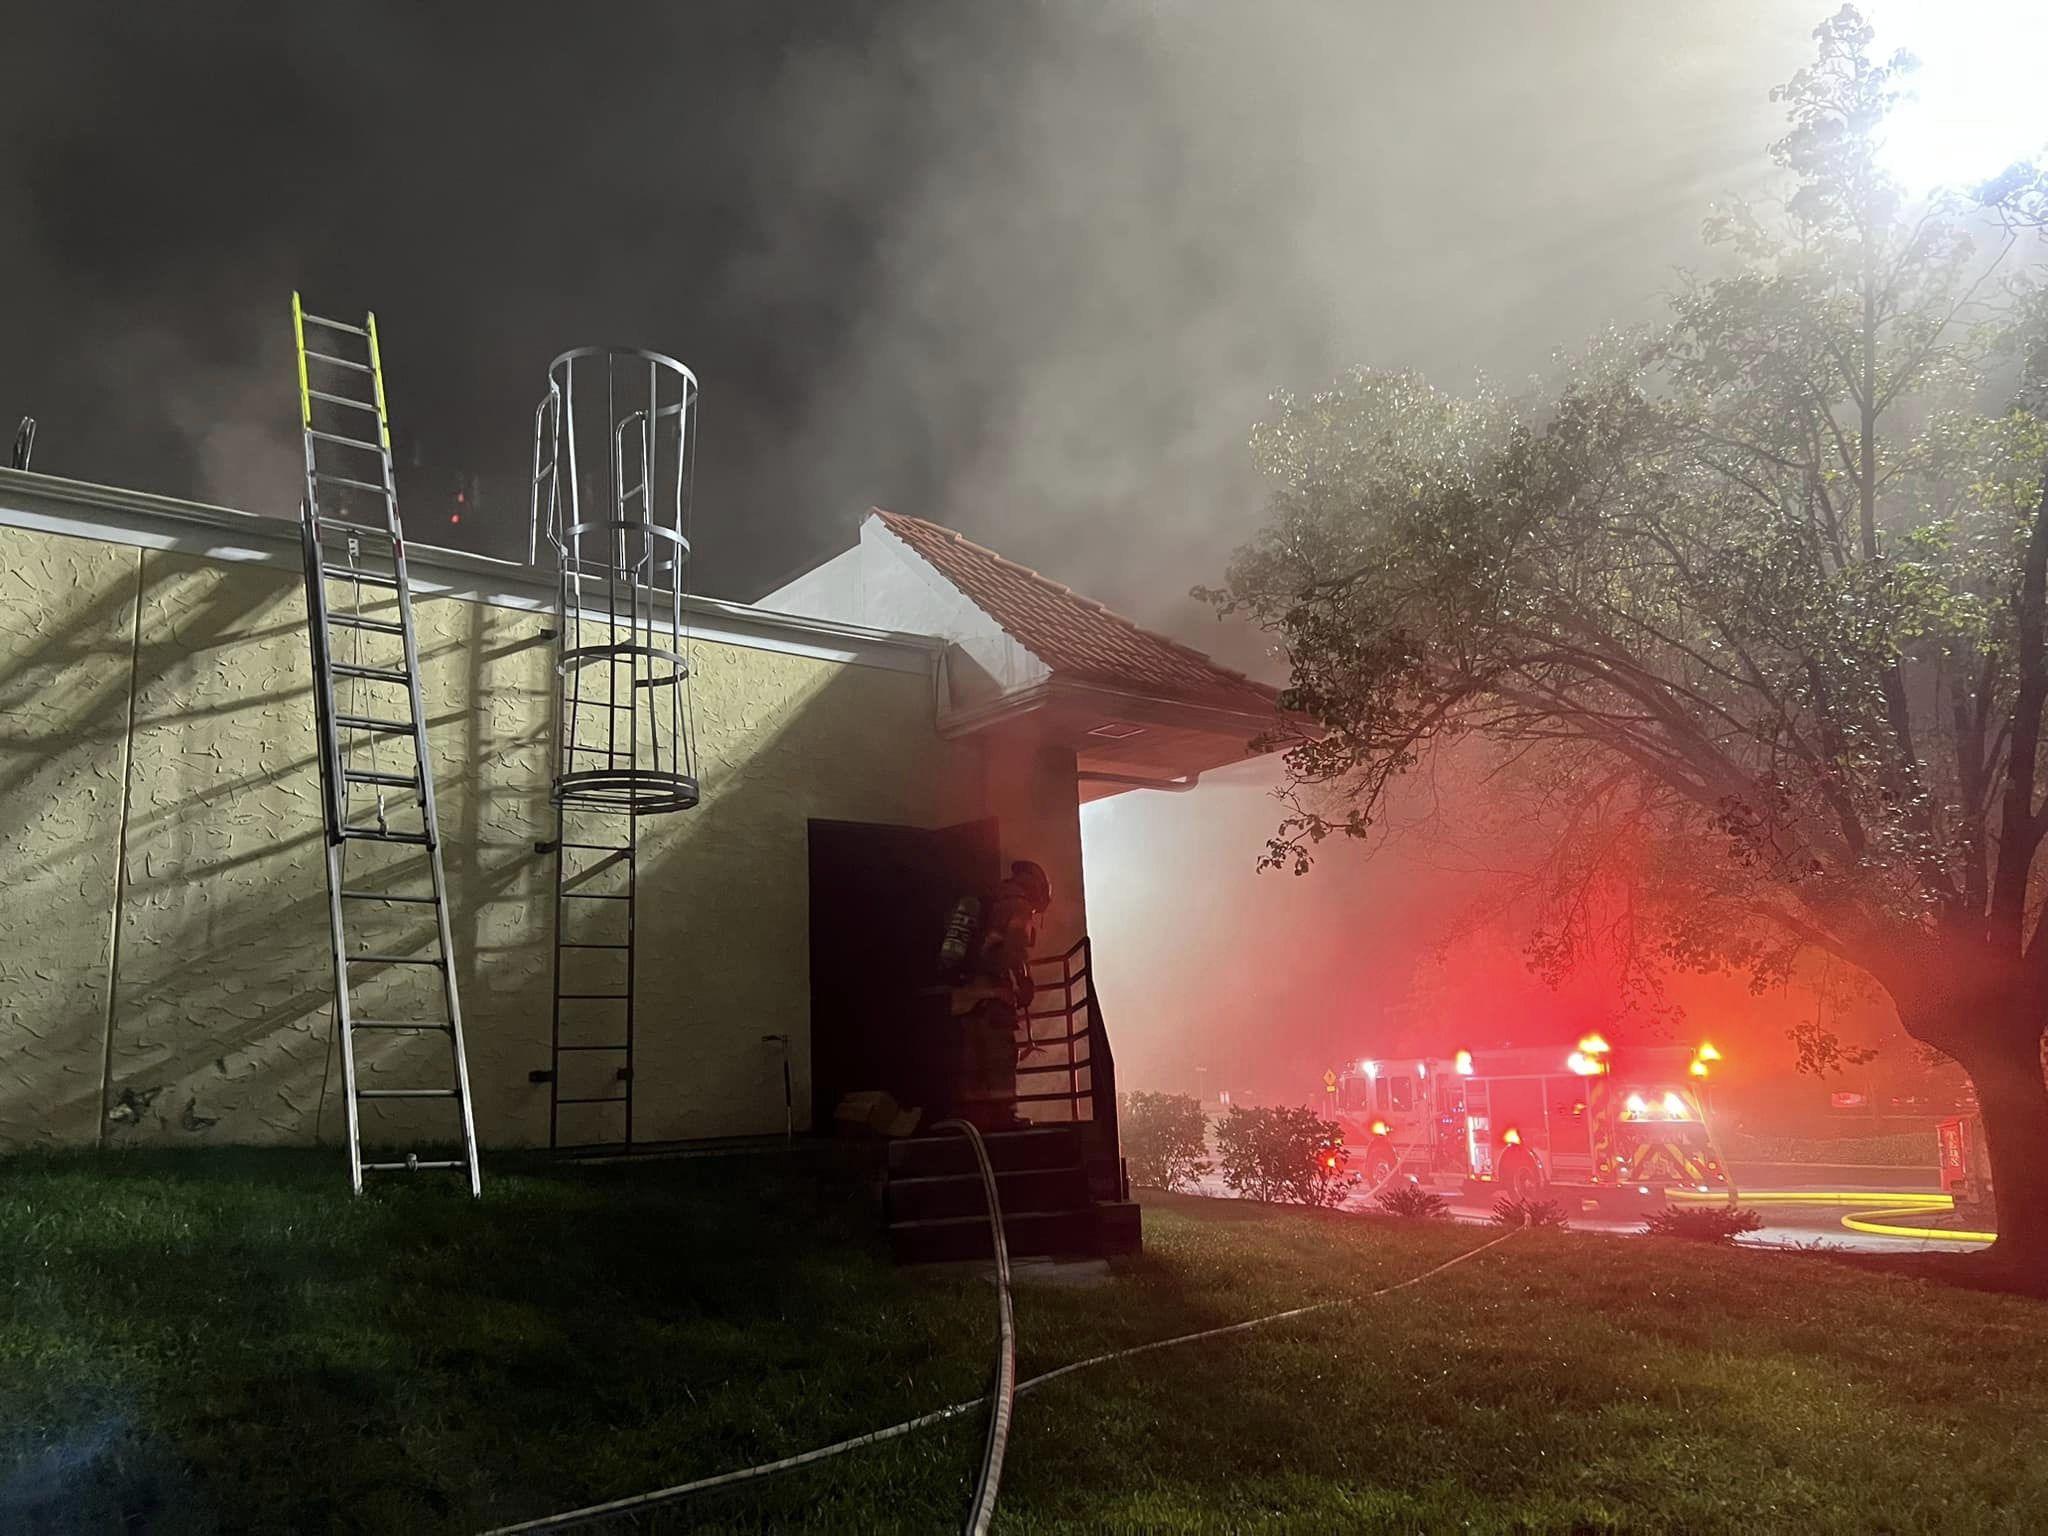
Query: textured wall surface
x=222, y=995
x=67, y=616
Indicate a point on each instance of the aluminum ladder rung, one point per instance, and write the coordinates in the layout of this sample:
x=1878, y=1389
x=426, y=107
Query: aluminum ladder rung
x=592, y=896
x=411, y=901
x=357, y=621
x=623, y=1098
x=593, y=997
x=366, y=776
x=408, y=1093
x=333, y=325
x=394, y=1024
x=343, y=525
x=345, y=442
x=594, y=1048
x=339, y=362
x=333, y=399
x=373, y=959
x=368, y=723
x=367, y=578
x=372, y=835
x=372, y=674
x=600, y=847
x=413, y=1166
x=567, y=945
x=326, y=478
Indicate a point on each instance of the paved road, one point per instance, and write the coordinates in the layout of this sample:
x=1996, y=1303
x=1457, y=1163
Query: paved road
x=1803, y=1220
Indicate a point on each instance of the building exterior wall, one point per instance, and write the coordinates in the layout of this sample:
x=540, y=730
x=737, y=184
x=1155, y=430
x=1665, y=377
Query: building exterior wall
x=67, y=619
x=164, y=966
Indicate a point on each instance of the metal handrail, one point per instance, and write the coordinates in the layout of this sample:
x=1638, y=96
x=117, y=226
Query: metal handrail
x=1091, y=1103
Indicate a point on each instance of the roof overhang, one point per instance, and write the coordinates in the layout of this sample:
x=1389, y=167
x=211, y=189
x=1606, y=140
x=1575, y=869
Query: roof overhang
x=1120, y=740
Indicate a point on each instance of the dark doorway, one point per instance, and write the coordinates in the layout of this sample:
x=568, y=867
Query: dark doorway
x=880, y=896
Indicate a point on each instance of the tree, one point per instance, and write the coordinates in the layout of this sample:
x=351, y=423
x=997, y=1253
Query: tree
x=1759, y=600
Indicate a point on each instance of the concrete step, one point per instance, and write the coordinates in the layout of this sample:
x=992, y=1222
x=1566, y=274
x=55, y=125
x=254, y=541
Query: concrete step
x=1052, y=1146
x=1021, y=1190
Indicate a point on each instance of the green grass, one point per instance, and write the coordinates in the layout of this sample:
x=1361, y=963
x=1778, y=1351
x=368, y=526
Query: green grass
x=227, y=1342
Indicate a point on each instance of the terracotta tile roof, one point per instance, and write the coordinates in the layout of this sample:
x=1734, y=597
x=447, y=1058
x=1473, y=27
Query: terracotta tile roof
x=1076, y=636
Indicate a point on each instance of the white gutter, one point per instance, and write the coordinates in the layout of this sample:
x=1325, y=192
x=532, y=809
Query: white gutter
x=112, y=515
x=1148, y=709
x=1179, y=786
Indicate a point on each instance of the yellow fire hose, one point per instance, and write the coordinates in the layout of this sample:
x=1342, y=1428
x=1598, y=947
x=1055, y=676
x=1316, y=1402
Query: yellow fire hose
x=1879, y=1222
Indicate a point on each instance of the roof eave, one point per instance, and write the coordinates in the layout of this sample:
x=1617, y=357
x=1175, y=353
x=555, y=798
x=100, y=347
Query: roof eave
x=1117, y=704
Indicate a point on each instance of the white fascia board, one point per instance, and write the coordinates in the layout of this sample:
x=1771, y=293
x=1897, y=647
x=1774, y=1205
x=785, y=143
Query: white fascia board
x=138, y=519
x=1110, y=704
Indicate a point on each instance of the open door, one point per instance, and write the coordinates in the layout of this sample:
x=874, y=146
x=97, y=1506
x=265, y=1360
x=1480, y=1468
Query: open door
x=880, y=896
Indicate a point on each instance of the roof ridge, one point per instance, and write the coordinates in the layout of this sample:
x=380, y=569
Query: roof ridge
x=1064, y=590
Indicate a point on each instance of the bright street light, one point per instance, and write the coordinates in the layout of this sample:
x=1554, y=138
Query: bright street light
x=1978, y=104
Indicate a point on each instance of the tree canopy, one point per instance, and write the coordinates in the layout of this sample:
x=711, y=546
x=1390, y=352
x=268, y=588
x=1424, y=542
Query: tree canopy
x=1767, y=584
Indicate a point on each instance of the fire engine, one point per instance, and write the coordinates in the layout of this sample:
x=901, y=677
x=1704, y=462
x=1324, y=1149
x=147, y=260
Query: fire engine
x=1965, y=1166
x=1522, y=1120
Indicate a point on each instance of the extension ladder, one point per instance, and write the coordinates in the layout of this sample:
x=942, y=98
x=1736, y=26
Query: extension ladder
x=393, y=977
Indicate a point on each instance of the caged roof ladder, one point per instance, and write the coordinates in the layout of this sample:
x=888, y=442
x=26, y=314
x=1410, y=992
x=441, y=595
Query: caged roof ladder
x=614, y=455
x=398, y=1018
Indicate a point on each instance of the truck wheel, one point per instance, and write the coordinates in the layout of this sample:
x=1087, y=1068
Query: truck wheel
x=1519, y=1177
x=1380, y=1162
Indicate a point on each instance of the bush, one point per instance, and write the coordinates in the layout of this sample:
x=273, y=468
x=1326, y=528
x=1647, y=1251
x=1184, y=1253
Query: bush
x=1511, y=1212
x=1702, y=1223
x=1291, y=1155
x=1165, y=1137
x=1412, y=1200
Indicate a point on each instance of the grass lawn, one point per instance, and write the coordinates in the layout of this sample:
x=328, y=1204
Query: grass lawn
x=225, y=1341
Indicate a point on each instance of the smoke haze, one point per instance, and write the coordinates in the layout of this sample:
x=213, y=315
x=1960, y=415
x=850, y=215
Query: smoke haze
x=1027, y=270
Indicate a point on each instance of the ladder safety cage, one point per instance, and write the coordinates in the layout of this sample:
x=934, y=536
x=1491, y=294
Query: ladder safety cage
x=614, y=457
x=393, y=974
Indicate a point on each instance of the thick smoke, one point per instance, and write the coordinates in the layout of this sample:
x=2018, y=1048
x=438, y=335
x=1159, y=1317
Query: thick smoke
x=1029, y=270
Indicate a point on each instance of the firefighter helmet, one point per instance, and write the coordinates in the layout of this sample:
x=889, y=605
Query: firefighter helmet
x=1032, y=879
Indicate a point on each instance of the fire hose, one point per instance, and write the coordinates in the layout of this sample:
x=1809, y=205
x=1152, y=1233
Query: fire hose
x=982, y=1507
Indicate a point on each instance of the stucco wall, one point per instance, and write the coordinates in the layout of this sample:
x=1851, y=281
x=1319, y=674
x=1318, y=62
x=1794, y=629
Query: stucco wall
x=67, y=616
x=218, y=1024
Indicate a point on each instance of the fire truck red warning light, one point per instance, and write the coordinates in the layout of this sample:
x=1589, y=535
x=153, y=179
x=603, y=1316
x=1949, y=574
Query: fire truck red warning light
x=1522, y=1120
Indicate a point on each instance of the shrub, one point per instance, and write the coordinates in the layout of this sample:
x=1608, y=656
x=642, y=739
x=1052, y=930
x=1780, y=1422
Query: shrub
x=1165, y=1137
x=1412, y=1200
x=1511, y=1212
x=1280, y=1154
x=1702, y=1223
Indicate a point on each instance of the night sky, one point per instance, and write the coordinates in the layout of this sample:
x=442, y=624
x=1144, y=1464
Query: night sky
x=1027, y=269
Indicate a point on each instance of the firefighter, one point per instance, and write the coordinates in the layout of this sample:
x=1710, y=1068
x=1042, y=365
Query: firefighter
x=988, y=954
